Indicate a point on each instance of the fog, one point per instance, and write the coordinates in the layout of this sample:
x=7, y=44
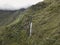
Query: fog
x=17, y=4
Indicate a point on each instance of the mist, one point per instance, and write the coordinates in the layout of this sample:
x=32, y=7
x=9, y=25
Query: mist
x=16, y=4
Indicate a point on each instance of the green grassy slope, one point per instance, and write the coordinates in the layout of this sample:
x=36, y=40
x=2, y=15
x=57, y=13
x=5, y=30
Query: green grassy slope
x=8, y=16
x=46, y=26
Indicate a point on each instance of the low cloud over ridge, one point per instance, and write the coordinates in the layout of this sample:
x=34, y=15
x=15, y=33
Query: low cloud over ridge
x=17, y=4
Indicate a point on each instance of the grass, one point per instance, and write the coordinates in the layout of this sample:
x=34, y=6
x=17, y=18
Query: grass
x=46, y=26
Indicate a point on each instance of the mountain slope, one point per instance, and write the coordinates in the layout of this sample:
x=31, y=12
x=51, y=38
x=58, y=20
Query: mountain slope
x=46, y=26
x=7, y=16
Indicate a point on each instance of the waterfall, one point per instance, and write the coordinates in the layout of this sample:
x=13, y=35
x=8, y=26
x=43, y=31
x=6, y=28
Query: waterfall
x=30, y=28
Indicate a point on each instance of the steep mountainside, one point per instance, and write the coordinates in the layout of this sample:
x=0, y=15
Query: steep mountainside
x=46, y=26
x=7, y=16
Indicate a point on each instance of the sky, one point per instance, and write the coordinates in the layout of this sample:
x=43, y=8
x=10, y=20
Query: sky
x=17, y=4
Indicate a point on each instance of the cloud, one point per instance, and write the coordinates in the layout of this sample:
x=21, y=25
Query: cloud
x=17, y=4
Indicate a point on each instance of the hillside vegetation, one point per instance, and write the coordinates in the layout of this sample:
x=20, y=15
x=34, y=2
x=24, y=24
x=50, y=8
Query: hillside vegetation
x=46, y=26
